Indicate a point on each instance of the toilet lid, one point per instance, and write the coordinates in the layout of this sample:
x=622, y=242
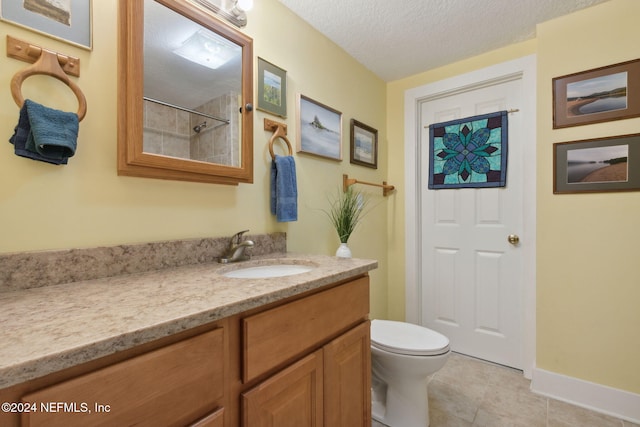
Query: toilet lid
x=407, y=338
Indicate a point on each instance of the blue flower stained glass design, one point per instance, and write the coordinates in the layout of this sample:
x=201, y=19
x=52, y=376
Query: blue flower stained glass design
x=469, y=152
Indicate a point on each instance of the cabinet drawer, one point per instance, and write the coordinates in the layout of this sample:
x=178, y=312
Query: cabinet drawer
x=279, y=335
x=169, y=386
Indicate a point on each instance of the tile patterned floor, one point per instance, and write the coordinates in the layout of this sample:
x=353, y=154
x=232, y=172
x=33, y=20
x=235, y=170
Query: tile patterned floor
x=469, y=392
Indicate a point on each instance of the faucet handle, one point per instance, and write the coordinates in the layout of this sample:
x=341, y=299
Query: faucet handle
x=237, y=238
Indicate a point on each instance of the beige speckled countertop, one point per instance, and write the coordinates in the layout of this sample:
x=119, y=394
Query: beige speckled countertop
x=50, y=328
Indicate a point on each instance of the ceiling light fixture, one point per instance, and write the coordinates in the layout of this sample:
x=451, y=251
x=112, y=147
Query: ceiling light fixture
x=234, y=11
x=207, y=49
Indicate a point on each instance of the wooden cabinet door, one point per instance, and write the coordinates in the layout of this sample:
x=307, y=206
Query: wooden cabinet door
x=347, y=379
x=290, y=398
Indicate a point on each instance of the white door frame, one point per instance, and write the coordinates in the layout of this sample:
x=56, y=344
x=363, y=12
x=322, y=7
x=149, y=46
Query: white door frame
x=526, y=68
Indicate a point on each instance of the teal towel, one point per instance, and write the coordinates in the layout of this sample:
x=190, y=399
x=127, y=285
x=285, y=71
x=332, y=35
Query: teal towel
x=21, y=135
x=54, y=133
x=284, y=189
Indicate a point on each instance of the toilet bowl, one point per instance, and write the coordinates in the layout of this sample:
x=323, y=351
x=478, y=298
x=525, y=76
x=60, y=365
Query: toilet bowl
x=403, y=355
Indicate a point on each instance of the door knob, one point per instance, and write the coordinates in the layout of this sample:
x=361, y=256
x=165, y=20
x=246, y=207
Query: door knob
x=513, y=239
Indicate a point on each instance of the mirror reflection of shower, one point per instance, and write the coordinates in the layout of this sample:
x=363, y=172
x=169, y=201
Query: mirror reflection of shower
x=198, y=128
x=175, y=110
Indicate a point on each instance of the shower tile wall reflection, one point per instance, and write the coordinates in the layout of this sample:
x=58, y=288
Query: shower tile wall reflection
x=217, y=142
x=166, y=130
x=176, y=133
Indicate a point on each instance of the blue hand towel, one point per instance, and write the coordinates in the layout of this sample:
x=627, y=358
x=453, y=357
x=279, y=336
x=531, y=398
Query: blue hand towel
x=284, y=189
x=20, y=136
x=54, y=133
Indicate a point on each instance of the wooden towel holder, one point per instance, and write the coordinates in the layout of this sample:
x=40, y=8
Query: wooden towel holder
x=279, y=131
x=347, y=182
x=45, y=62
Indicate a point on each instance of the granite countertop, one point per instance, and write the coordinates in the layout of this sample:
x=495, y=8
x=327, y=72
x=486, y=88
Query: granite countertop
x=51, y=328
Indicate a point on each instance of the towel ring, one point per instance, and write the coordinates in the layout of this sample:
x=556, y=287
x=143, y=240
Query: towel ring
x=280, y=132
x=272, y=140
x=47, y=64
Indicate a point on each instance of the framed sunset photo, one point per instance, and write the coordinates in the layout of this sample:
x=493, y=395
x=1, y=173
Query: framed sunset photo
x=597, y=165
x=598, y=95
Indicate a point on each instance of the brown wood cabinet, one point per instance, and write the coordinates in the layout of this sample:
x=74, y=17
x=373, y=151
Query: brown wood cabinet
x=303, y=361
x=347, y=379
x=215, y=419
x=329, y=387
x=290, y=398
x=170, y=386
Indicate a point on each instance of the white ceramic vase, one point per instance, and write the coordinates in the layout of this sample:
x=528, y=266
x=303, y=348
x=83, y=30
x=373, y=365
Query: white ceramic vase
x=343, y=251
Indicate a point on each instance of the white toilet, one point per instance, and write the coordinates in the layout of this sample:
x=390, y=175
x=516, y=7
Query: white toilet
x=403, y=355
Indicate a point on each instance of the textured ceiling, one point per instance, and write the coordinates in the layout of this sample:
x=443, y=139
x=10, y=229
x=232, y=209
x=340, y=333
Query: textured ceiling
x=399, y=38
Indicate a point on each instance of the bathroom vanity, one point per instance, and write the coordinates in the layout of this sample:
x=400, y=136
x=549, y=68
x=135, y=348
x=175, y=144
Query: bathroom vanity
x=188, y=346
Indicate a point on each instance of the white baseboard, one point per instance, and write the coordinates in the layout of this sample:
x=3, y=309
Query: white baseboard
x=596, y=397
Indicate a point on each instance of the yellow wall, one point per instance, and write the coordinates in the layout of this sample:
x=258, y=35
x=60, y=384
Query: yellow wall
x=86, y=204
x=588, y=282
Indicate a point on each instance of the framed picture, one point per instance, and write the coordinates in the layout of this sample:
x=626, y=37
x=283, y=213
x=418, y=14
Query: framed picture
x=364, y=145
x=597, y=165
x=319, y=129
x=598, y=95
x=65, y=20
x=272, y=89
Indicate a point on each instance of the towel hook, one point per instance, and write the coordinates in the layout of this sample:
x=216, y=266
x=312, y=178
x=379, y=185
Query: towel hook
x=48, y=63
x=279, y=131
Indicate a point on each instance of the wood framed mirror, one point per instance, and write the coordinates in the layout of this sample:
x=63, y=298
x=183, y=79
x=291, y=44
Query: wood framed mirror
x=184, y=94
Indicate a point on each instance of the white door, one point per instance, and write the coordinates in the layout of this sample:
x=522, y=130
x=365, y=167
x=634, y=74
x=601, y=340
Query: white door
x=471, y=273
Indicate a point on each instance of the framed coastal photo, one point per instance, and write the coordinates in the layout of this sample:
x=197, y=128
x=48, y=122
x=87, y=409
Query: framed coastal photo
x=272, y=89
x=364, y=145
x=65, y=20
x=598, y=95
x=597, y=165
x=319, y=129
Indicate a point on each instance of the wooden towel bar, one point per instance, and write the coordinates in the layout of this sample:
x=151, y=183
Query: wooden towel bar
x=347, y=182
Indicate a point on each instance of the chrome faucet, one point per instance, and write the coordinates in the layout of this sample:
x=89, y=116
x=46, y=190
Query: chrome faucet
x=236, y=251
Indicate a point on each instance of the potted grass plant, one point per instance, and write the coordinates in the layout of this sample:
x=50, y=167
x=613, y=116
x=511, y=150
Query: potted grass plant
x=346, y=211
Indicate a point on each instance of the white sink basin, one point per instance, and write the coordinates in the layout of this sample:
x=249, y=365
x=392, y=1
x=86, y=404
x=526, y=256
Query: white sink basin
x=267, y=271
